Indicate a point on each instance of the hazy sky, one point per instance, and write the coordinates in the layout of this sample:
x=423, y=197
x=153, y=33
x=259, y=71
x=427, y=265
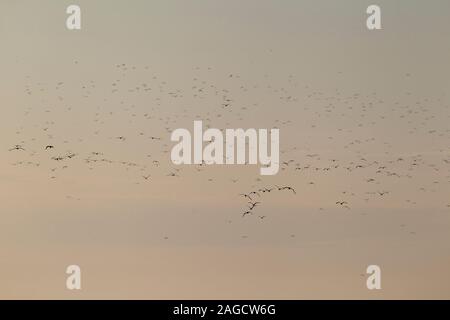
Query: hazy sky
x=363, y=118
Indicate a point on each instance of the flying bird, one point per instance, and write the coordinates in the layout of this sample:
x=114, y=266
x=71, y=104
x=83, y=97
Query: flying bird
x=17, y=147
x=246, y=196
x=287, y=188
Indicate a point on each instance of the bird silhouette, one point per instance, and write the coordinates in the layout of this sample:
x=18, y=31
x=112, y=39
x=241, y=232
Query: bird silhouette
x=17, y=147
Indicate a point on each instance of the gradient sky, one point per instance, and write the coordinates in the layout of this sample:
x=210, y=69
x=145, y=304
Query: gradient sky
x=372, y=103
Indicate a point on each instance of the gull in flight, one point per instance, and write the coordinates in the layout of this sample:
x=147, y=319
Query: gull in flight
x=17, y=147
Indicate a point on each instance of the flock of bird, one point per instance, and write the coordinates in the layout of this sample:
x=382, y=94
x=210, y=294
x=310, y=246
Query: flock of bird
x=253, y=194
x=336, y=136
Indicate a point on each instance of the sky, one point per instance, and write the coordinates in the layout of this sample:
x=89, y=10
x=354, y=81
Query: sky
x=363, y=118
